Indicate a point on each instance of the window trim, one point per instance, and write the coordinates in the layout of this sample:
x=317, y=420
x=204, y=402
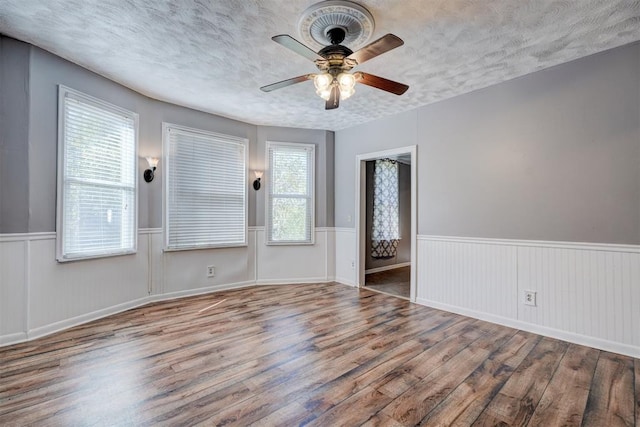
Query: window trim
x=63, y=92
x=165, y=186
x=268, y=198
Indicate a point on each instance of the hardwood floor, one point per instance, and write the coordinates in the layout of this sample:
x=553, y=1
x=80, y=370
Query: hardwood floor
x=322, y=354
x=393, y=282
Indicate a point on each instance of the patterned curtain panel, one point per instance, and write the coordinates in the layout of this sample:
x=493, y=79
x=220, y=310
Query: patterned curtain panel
x=386, y=228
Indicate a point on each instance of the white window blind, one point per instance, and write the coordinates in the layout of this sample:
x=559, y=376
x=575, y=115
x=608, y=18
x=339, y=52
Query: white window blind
x=96, y=178
x=206, y=202
x=290, y=205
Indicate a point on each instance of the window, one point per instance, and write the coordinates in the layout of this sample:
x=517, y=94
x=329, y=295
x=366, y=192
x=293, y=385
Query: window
x=290, y=204
x=206, y=189
x=96, y=178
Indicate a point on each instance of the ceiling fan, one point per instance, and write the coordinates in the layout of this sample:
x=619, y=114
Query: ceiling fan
x=335, y=82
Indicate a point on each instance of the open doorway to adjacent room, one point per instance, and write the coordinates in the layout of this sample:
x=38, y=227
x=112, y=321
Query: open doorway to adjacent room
x=386, y=222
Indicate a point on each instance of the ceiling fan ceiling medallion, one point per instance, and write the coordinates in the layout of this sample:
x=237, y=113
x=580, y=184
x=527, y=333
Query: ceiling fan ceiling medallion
x=318, y=20
x=330, y=24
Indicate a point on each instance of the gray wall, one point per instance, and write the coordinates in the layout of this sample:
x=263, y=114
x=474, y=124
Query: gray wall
x=404, y=202
x=14, y=135
x=553, y=155
x=30, y=79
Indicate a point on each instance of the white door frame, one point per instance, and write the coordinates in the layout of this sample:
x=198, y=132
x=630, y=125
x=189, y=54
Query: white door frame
x=360, y=218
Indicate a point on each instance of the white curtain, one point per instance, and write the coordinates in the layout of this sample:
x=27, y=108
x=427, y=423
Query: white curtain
x=385, y=232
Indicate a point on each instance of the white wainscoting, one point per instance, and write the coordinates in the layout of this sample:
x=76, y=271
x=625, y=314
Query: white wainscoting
x=478, y=277
x=586, y=293
x=345, y=255
x=294, y=264
x=39, y=296
x=13, y=293
x=63, y=294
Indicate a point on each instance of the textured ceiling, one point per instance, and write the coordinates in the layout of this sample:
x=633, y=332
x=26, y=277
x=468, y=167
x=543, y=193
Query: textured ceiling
x=213, y=55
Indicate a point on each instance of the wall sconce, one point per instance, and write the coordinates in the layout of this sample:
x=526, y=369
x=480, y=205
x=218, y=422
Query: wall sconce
x=256, y=183
x=150, y=173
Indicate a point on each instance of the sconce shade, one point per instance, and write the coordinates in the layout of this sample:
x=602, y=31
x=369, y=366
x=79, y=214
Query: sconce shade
x=153, y=162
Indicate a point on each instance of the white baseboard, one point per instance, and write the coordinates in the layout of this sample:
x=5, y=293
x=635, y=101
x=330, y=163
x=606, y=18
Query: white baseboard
x=99, y=314
x=499, y=259
x=308, y=270
x=200, y=291
x=601, y=344
x=387, y=267
x=13, y=338
x=344, y=281
x=306, y=280
x=88, y=317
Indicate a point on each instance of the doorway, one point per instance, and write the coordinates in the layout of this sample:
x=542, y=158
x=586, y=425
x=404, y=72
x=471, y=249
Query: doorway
x=388, y=271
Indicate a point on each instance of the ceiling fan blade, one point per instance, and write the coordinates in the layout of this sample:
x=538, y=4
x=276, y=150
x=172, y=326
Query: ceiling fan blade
x=378, y=47
x=293, y=44
x=285, y=83
x=334, y=99
x=381, y=83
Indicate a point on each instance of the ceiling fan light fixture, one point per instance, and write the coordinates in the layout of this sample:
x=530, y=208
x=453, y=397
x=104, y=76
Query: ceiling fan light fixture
x=322, y=81
x=346, y=80
x=346, y=93
x=346, y=83
x=324, y=93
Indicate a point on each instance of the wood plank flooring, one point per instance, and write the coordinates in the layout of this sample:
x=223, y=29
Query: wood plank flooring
x=317, y=355
x=393, y=282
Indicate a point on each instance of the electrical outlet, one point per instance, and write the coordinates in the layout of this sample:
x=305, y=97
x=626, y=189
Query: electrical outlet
x=530, y=298
x=353, y=263
x=211, y=271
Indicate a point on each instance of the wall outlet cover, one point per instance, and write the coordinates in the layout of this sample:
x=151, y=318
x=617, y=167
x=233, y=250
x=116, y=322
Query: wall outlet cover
x=530, y=298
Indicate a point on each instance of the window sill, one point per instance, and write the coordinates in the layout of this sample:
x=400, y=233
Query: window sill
x=94, y=257
x=195, y=248
x=312, y=243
